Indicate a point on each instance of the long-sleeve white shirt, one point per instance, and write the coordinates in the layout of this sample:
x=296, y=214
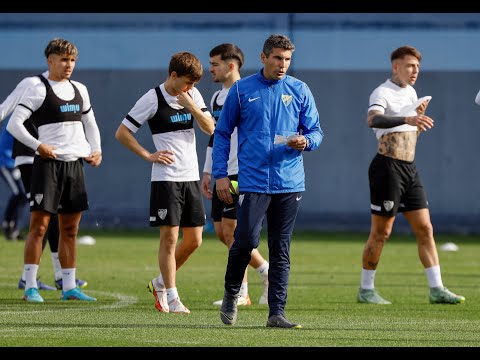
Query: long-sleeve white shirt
x=73, y=140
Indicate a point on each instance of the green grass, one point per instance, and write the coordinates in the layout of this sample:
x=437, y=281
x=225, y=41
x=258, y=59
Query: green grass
x=324, y=279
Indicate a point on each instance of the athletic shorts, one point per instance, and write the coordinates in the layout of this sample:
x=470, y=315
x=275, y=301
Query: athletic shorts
x=58, y=186
x=395, y=186
x=221, y=209
x=176, y=204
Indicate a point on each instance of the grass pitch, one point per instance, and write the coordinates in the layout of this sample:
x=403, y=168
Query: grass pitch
x=324, y=279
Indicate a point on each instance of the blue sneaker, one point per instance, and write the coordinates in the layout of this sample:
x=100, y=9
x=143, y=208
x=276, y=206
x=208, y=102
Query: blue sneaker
x=80, y=283
x=41, y=286
x=32, y=295
x=76, y=294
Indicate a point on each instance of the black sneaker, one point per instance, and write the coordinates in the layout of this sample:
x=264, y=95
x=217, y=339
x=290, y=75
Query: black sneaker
x=281, y=322
x=228, y=311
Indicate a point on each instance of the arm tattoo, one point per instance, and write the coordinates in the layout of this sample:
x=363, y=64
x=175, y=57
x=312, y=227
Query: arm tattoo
x=382, y=121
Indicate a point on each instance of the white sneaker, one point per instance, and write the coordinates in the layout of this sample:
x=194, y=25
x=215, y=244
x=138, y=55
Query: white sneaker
x=242, y=301
x=264, y=298
x=176, y=307
x=160, y=294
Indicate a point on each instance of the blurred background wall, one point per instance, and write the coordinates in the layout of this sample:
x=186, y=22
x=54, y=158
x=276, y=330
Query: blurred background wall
x=341, y=56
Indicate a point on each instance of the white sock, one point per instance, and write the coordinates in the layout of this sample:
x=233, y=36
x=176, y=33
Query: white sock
x=262, y=270
x=68, y=276
x=244, y=289
x=23, y=275
x=172, y=294
x=160, y=281
x=434, y=276
x=56, y=266
x=368, y=278
x=30, y=271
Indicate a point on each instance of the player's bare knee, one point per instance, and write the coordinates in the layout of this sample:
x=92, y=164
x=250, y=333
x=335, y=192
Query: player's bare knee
x=424, y=232
x=381, y=236
x=196, y=243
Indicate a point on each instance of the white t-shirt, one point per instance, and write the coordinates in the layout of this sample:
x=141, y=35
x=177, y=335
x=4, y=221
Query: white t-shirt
x=391, y=99
x=181, y=142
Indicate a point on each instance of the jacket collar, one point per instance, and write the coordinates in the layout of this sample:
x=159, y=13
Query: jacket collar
x=262, y=79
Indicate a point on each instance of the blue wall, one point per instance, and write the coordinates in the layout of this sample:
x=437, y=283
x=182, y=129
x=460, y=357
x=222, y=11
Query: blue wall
x=341, y=56
x=324, y=41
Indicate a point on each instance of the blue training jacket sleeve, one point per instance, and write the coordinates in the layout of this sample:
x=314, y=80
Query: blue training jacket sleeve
x=223, y=130
x=310, y=121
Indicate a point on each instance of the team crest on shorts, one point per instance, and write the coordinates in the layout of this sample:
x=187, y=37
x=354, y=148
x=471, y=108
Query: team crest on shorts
x=162, y=213
x=388, y=205
x=38, y=198
x=287, y=99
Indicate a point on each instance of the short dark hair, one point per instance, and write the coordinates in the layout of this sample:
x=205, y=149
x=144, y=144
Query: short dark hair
x=59, y=46
x=405, y=50
x=229, y=51
x=277, y=41
x=186, y=64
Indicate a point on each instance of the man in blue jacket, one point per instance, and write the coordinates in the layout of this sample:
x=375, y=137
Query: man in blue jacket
x=277, y=119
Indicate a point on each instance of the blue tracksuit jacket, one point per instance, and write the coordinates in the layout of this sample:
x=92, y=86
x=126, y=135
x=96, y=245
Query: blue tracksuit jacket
x=261, y=109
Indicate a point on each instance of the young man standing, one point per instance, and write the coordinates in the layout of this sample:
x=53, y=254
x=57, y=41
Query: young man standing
x=23, y=157
x=395, y=184
x=175, y=199
x=67, y=134
x=226, y=60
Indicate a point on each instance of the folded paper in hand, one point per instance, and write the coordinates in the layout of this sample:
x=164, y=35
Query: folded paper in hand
x=411, y=110
x=280, y=139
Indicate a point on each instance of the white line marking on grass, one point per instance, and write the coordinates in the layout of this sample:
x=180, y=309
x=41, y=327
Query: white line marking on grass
x=123, y=301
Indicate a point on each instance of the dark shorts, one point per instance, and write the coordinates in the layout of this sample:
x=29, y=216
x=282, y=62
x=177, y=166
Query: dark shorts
x=176, y=204
x=221, y=209
x=58, y=186
x=395, y=186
